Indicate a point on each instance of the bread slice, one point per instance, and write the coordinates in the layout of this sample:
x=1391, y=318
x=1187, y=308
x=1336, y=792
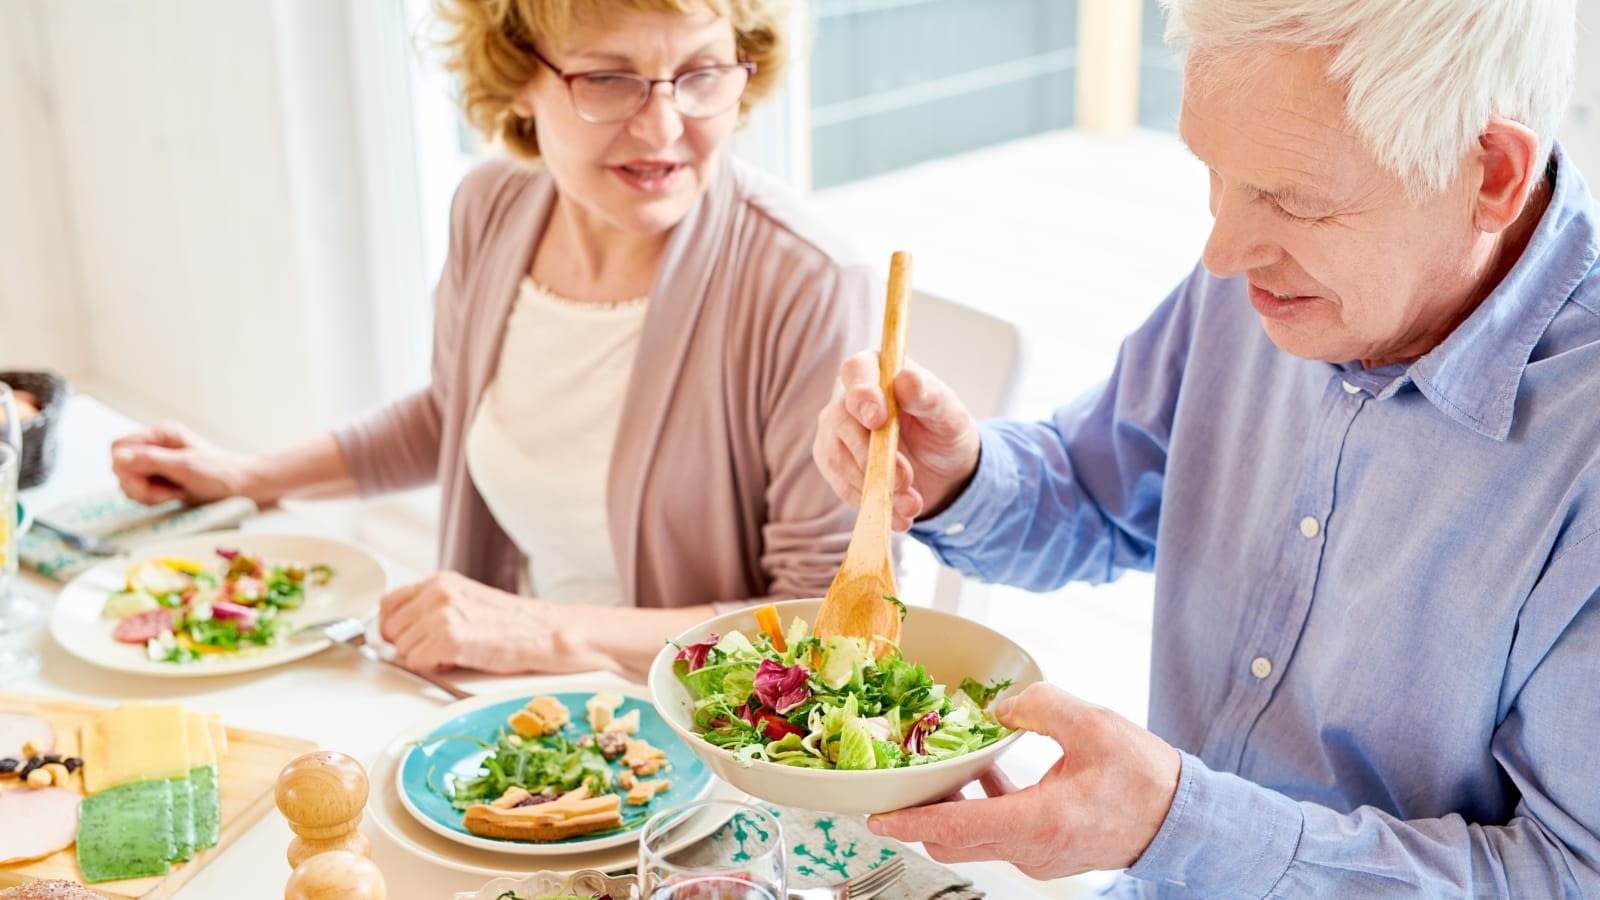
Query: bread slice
x=50, y=890
x=573, y=813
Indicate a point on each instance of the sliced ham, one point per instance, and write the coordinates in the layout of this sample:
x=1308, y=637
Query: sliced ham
x=17, y=729
x=141, y=627
x=36, y=822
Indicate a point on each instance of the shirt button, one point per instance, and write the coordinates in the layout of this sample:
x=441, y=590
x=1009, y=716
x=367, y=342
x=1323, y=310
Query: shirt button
x=1310, y=527
x=955, y=529
x=1261, y=667
x=1350, y=388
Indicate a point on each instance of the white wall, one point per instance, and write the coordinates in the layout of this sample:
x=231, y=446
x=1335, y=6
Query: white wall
x=1580, y=133
x=190, y=194
x=39, y=289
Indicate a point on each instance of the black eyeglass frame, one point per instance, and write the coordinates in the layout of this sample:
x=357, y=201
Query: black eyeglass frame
x=568, y=78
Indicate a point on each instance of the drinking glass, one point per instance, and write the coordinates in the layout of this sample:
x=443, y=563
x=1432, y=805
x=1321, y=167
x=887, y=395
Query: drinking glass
x=10, y=425
x=743, y=859
x=16, y=612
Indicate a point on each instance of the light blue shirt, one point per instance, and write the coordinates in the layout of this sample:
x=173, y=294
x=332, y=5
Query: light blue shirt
x=1377, y=621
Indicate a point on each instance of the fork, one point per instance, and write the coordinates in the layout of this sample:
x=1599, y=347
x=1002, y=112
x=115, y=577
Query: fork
x=862, y=887
x=91, y=545
x=352, y=633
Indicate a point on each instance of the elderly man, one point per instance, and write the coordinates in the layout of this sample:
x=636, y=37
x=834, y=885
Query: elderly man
x=1359, y=447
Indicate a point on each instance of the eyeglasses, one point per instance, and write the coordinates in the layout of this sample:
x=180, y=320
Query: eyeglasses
x=604, y=98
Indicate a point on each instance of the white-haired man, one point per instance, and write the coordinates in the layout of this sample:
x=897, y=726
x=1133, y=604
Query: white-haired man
x=1359, y=447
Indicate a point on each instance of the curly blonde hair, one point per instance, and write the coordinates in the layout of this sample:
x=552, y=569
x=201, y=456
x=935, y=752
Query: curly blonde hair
x=487, y=45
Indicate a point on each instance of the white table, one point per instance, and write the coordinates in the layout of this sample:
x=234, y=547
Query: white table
x=336, y=699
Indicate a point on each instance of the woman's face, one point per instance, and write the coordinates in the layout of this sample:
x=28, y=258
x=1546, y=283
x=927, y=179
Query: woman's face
x=640, y=175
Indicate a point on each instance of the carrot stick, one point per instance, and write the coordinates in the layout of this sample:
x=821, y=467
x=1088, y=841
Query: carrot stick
x=767, y=618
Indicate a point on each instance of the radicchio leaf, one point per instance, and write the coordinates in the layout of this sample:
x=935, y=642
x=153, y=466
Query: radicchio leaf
x=916, y=741
x=781, y=687
x=695, y=654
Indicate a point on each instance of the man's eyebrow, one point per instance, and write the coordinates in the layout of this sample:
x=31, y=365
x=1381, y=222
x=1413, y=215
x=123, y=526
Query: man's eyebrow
x=1283, y=194
x=1295, y=197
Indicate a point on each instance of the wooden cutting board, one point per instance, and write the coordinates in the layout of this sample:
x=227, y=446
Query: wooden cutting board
x=247, y=781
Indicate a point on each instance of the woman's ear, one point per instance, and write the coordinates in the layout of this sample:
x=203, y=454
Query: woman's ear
x=1508, y=160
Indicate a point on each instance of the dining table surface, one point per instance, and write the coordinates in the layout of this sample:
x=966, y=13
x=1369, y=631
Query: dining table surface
x=338, y=699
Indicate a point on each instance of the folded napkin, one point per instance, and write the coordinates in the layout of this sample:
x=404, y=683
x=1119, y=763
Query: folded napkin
x=825, y=848
x=112, y=516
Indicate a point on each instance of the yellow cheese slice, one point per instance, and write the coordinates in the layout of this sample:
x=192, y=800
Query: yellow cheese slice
x=92, y=750
x=202, y=752
x=219, y=734
x=138, y=742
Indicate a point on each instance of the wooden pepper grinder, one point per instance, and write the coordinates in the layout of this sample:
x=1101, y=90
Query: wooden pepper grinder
x=336, y=875
x=322, y=795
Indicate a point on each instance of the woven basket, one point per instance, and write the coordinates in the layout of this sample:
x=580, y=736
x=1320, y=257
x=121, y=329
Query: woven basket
x=40, y=432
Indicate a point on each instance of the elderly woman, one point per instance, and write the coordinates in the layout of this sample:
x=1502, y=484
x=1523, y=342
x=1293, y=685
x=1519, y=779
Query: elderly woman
x=632, y=336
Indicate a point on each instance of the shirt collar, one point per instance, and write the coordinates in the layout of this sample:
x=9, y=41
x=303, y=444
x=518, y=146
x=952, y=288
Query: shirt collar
x=1473, y=376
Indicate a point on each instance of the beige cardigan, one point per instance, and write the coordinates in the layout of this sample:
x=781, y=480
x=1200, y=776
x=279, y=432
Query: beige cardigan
x=712, y=494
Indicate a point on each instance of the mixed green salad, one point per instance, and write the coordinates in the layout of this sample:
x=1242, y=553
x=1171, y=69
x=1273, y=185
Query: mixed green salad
x=183, y=609
x=544, y=765
x=797, y=700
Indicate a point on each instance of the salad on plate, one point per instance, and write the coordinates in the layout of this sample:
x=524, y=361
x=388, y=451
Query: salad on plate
x=181, y=609
x=791, y=698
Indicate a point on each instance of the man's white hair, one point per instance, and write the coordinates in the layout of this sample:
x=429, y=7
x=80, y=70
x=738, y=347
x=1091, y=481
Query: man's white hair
x=1422, y=77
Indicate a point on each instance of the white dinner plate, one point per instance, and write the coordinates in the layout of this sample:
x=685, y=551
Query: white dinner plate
x=386, y=810
x=444, y=747
x=358, y=582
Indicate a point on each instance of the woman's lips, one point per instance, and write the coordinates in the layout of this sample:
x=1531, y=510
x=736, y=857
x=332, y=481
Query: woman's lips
x=1274, y=306
x=648, y=176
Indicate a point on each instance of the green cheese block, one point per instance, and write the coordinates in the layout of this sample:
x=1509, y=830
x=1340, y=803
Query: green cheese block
x=183, y=836
x=207, y=806
x=126, y=832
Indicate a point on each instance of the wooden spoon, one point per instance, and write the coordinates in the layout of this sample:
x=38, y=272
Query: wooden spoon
x=856, y=604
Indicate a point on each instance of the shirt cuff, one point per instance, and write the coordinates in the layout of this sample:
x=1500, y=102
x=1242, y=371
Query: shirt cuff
x=1223, y=835
x=976, y=512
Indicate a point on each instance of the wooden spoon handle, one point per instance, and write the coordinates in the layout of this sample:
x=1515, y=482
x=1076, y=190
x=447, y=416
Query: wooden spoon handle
x=892, y=357
x=877, y=489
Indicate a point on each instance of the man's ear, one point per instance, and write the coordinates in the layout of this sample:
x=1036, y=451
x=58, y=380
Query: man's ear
x=1508, y=160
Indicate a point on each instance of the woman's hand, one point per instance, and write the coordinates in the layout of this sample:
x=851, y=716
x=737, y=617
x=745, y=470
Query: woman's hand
x=450, y=621
x=938, y=438
x=168, y=462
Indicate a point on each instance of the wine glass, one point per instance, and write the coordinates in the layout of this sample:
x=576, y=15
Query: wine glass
x=743, y=859
x=16, y=612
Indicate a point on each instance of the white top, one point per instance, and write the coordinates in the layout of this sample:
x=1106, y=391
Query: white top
x=539, y=446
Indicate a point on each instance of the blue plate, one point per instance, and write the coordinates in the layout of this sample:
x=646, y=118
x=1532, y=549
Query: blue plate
x=436, y=758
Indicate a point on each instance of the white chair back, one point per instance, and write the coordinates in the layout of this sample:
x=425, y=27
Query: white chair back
x=980, y=357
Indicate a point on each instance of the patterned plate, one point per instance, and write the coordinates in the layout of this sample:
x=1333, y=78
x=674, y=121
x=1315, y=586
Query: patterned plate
x=438, y=755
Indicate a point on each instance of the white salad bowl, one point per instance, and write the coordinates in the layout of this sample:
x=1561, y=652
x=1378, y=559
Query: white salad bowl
x=949, y=647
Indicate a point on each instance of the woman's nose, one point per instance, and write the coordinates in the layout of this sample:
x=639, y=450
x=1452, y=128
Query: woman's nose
x=658, y=122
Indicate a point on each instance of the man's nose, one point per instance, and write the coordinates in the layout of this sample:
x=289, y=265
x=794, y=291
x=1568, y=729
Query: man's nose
x=1238, y=242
